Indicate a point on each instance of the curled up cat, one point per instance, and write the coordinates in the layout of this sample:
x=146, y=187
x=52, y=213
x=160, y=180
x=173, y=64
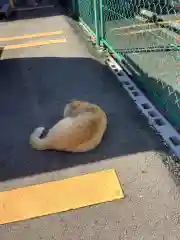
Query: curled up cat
x=81, y=129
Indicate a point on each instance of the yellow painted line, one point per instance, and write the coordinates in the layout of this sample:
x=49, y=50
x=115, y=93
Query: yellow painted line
x=144, y=24
x=33, y=44
x=58, y=196
x=137, y=32
x=35, y=35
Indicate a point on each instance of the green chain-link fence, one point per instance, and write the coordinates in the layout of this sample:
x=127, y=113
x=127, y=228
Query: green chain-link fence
x=87, y=12
x=144, y=34
x=148, y=44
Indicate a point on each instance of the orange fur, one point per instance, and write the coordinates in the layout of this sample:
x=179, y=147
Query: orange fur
x=81, y=129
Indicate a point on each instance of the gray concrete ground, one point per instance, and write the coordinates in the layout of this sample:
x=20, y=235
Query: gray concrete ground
x=35, y=85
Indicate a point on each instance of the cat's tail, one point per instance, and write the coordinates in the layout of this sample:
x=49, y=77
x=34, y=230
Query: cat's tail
x=37, y=142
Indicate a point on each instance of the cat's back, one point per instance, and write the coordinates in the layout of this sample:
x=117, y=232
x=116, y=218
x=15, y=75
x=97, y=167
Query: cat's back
x=89, y=128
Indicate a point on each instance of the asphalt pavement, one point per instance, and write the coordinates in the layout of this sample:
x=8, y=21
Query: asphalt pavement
x=35, y=84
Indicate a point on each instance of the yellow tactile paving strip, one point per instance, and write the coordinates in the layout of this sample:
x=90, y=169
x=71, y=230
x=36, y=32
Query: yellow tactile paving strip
x=26, y=44
x=33, y=44
x=34, y=35
x=58, y=196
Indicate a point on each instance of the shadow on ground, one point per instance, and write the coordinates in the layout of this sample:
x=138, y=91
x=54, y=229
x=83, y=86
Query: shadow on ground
x=34, y=91
x=33, y=12
x=164, y=96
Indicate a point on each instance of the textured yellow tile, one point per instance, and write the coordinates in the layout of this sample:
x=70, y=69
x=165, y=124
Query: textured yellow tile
x=58, y=196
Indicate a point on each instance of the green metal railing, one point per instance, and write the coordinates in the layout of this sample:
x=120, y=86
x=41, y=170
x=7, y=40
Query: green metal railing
x=144, y=34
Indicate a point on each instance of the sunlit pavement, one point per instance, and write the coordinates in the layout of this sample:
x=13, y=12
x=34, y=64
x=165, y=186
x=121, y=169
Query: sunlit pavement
x=37, y=80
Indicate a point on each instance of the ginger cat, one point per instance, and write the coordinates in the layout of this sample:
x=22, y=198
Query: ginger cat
x=81, y=129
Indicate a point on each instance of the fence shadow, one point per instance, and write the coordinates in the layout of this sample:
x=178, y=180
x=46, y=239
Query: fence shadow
x=165, y=97
x=34, y=13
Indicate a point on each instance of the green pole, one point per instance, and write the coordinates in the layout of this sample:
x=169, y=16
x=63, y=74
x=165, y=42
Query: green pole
x=96, y=20
x=74, y=7
x=102, y=22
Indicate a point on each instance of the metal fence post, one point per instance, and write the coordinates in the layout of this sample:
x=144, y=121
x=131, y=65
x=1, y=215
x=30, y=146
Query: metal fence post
x=74, y=10
x=96, y=20
x=102, y=30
